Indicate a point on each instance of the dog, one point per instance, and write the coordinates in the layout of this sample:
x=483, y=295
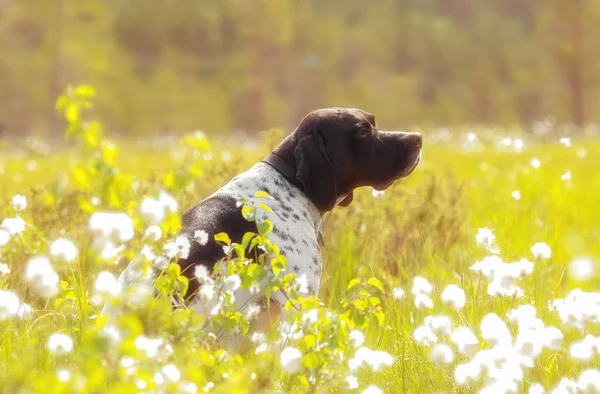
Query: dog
x=332, y=152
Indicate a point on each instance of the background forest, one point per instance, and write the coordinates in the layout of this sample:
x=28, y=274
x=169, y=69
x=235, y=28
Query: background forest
x=236, y=65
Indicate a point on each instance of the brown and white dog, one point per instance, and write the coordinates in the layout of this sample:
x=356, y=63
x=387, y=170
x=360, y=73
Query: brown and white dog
x=332, y=152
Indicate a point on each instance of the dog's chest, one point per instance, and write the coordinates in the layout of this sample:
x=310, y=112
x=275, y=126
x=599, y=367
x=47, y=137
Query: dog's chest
x=296, y=221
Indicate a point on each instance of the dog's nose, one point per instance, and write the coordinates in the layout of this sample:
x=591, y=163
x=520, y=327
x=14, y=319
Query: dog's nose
x=415, y=139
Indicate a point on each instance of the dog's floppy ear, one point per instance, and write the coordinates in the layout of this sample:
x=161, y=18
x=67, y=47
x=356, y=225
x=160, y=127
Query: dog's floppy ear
x=314, y=171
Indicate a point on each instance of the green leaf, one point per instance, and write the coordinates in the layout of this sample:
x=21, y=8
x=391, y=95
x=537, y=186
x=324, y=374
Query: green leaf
x=353, y=283
x=248, y=213
x=262, y=194
x=246, y=239
x=265, y=227
x=85, y=91
x=72, y=113
x=360, y=305
x=223, y=238
x=174, y=270
x=265, y=207
x=376, y=283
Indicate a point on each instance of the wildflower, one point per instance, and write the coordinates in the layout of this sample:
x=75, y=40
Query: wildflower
x=252, y=311
x=59, y=344
x=291, y=360
x=4, y=237
x=13, y=226
x=421, y=286
x=189, y=388
x=25, y=312
x=147, y=253
x=153, y=233
x=232, y=283
x=441, y=354
x=535, y=163
x=584, y=350
x=529, y=343
x=178, y=249
x=112, y=333
x=553, y=338
x=372, y=390
x=486, y=238
x=117, y=227
x=516, y=195
x=9, y=305
x=201, y=237
x=148, y=345
x=201, y=273
x=63, y=249
x=19, y=202
x=4, y=270
x=536, y=388
x=423, y=301
x=352, y=382
x=519, y=144
x=171, y=372
x=541, y=250
x=494, y=331
x=374, y=359
x=566, y=176
x=589, y=381
x=466, y=373
x=398, y=293
x=424, y=335
x=357, y=338
x=581, y=269
x=63, y=375
x=565, y=386
x=151, y=210
x=466, y=342
x=302, y=283
x=310, y=317
x=441, y=324
x=454, y=296
x=566, y=141
x=40, y=274
x=107, y=284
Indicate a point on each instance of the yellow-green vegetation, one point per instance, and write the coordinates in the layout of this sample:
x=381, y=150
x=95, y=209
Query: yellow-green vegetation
x=389, y=259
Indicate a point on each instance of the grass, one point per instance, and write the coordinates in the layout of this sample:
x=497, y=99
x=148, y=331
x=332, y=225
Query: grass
x=424, y=225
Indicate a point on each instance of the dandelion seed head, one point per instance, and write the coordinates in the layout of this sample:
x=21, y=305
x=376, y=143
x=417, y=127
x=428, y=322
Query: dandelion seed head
x=25, y=312
x=424, y=335
x=441, y=354
x=291, y=360
x=421, y=286
x=466, y=342
x=566, y=141
x=201, y=237
x=440, y=324
x=372, y=390
x=117, y=227
x=516, y=195
x=589, y=382
x=494, y=330
x=566, y=176
x=454, y=296
x=232, y=283
x=19, y=202
x=535, y=163
x=179, y=249
x=486, y=238
x=13, y=226
x=63, y=249
x=9, y=305
x=63, y=375
x=4, y=270
x=148, y=345
x=107, y=285
x=59, y=344
x=423, y=301
x=581, y=269
x=4, y=237
x=153, y=233
x=352, y=382
x=374, y=359
x=536, y=388
x=171, y=372
x=398, y=293
x=356, y=338
x=40, y=274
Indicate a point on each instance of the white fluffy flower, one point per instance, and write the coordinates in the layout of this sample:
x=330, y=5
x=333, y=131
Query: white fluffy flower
x=494, y=330
x=171, y=372
x=63, y=375
x=13, y=226
x=374, y=359
x=466, y=342
x=59, y=344
x=19, y=202
x=421, y=286
x=201, y=237
x=536, y=388
x=566, y=141
x=201, y=273
x=535, y=163
x=155, y=210
x=148, y=345
x=291, y=360
x=4, y=270
x=9, y=305
x=486, y=238
x=441, y=354
x=232, y=283
x=516, y=195
x=153, y=233
x=117, y=227
x=503, y=275
x=541, y=250
x=25, y=312
x=398, y=293
x=454, y=296
x=584, y=350
x=423, y=301
x=356, y=337
x=178, y=249
x=565, y=386
x=467, y=373
x=352, y=382
x=553, y=338
x=581, y=269
x=372, y=390
x=589, y=382
x=440, y=324
x=4, y=237
x=424, y=335
x=41, y=276
x=63, y=249
x=566, y=176
x=529, y=343
x=106, y=284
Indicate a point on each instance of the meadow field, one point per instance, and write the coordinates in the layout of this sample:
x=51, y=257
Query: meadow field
x=516, y=318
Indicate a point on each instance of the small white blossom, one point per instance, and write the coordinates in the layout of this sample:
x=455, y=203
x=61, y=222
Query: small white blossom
x=536, y=388
x=357, y=338
x=424, y=335
x=441, y=354
x=566, y=141
x=398, y=293
x=486, y=238
x=178, y=249
x=153, y=233
x=454, y=296
x=9, y=305
x=352, y=382
x=59, y=344
x=516, y=195
x=201, y=273
x=376, y=360
x=566, y=176
x=19, y=202
x=291, y=360
x=201, y=237
x=494, y=330
x=589, y=382
x=107, y=284
x=466, y=342
x=423, y=301
x=13, y=226
x=117, y=227
x=4, y=270
x=4, y=237
x=41, y=276
x=148, y=345
x=25, y=312
x=553, y=338
x=535, y=163
x=63, y=249
x=232, y=283
x=541, y=250
x=63, y=375
x=581, y=269
x=171, y=372
x=372, y=390
x=421, y=286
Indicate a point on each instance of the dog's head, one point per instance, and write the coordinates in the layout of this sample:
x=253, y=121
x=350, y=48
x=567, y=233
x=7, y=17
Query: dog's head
x=336, y=150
